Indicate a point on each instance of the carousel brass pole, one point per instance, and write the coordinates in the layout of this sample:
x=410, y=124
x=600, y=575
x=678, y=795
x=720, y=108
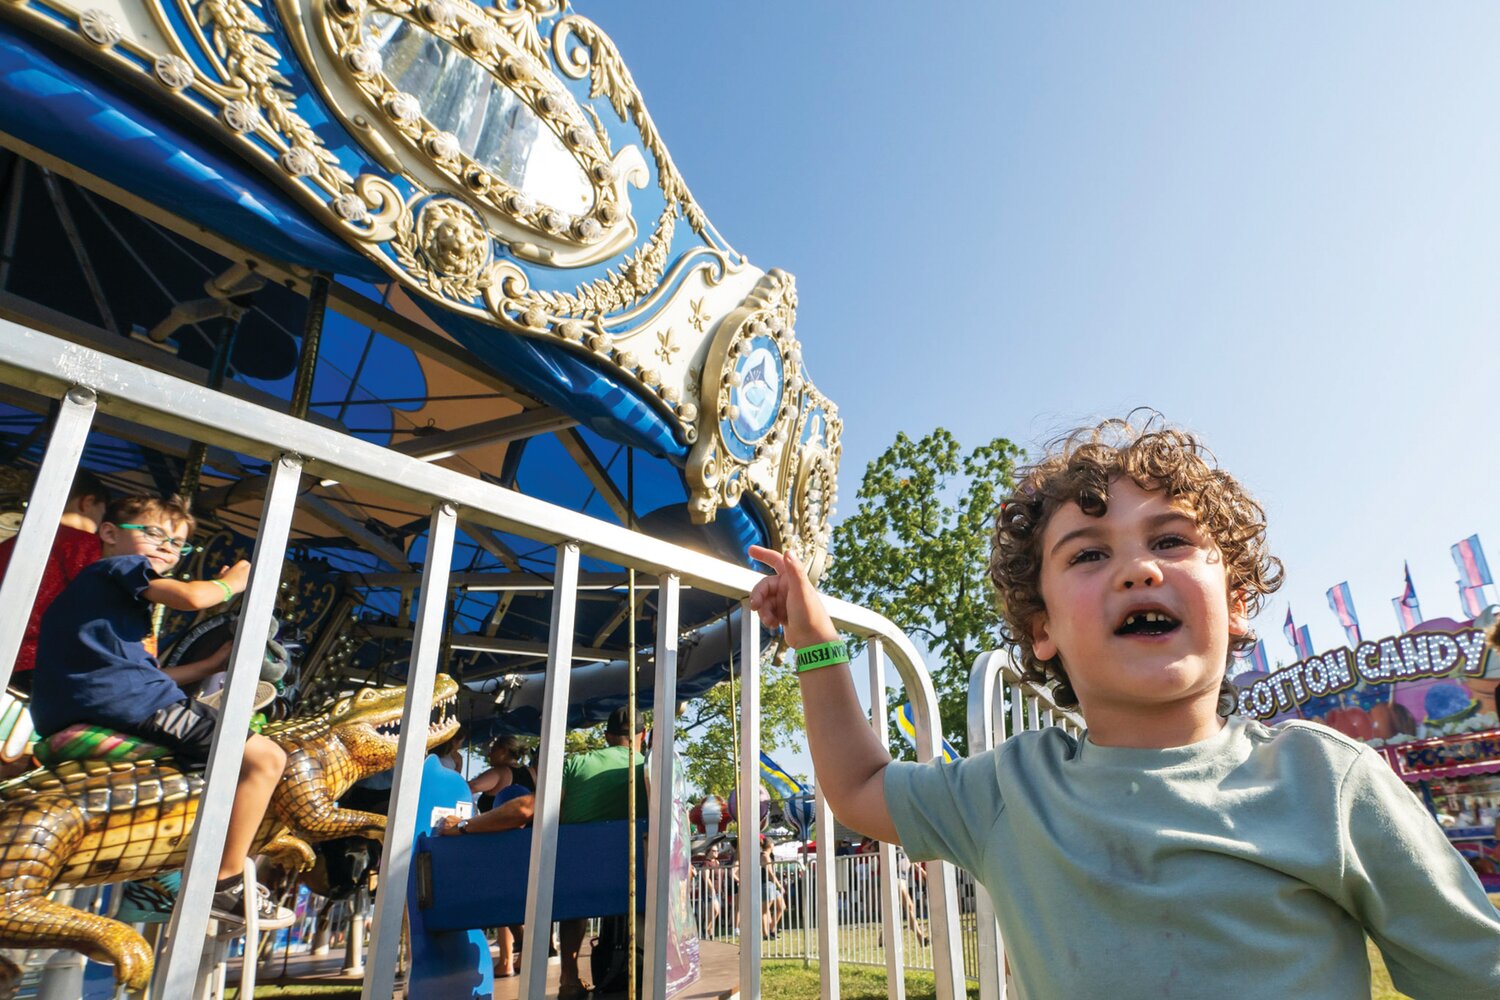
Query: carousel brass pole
x=631, y=693
x=197, y=453
x=312, y=335
x=12, y=217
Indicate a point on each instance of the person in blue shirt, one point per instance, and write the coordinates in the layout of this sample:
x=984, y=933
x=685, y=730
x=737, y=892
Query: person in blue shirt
x=96, y=664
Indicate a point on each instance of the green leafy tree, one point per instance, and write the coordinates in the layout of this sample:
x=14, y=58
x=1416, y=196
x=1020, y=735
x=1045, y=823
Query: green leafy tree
x=916, y=550
x=707, y=730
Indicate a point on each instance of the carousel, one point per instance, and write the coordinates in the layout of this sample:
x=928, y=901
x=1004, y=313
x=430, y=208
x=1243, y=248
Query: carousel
x=411, y=304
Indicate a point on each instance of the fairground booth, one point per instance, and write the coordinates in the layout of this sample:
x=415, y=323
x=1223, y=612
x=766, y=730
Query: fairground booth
x=412, y=304
x=1426, y=700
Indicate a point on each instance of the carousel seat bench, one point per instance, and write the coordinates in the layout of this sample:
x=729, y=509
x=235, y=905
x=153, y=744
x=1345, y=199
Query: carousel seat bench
x=83, y=741
x=479, y=879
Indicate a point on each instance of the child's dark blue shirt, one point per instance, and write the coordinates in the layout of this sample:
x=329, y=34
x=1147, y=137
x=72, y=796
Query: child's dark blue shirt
x=92, y=664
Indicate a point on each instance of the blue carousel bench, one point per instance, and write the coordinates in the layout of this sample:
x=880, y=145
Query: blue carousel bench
x=461, y=884
x=479, y=879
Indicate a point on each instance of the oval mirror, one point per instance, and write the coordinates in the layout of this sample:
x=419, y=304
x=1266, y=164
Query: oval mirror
x=494, y=127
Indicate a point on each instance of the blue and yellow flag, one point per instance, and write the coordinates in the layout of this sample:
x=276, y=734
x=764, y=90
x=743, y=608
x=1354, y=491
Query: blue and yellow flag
x=907, y=723
x=781, y=783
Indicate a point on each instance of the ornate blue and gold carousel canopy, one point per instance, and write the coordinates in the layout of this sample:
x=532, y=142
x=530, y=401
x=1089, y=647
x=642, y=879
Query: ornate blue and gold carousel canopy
x=488, y=177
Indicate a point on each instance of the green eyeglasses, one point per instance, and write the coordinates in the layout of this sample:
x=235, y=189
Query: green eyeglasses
x=161, y=538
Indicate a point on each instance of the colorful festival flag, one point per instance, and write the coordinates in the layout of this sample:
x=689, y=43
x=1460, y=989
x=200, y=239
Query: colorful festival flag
x=1408, y=611
x=1253, y=659
x=1473, y=600
x=1468, y=556
x=906, y=722
x=1299, y=638
x=1342, y=604
x=778, y=779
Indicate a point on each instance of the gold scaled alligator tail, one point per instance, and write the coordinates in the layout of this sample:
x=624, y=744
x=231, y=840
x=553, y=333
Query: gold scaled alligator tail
x=90, y=822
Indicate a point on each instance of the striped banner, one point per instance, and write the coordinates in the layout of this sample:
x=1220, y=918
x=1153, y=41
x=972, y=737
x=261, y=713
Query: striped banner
x=1408, y=611
x=1468, y=556
x=1342, y=604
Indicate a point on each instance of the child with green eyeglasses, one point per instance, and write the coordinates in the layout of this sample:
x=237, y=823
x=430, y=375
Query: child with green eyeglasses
x=96, y=664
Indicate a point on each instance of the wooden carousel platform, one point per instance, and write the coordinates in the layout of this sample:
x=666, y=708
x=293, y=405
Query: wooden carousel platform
x=719, y=978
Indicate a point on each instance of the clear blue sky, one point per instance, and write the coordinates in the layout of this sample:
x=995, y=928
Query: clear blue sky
x=1278, y=223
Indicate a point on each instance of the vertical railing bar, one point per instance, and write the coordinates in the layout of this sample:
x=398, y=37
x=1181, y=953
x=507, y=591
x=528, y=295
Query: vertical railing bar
x=828, y=924
x=942, y=913
x=1034, y=713
x=49, y=497
x=542, y=868
x=986, y=731
x=411, y=751
x=1017, y=709
x=895, y=940
x=178, y=973
x=749, y=802
x=659, y=830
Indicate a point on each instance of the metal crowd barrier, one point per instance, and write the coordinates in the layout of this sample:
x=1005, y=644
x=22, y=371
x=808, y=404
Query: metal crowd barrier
x=86, y=382
x=790, y=933
x=1001, y=705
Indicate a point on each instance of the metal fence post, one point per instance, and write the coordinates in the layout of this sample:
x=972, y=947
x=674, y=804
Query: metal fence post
x=663, y=759
x=542, y=868
x=49, y=495
x=890, y=915
x=986, y=688
x=406, y=784
x=178, y=972
x=748, y=854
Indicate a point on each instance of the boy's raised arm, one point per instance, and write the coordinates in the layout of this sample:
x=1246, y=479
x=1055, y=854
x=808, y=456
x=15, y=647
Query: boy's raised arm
x=199, y=595
x=849, y=760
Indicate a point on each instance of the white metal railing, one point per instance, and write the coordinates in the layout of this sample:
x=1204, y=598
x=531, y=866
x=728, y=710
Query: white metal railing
x=1001, y=705
x=791, y=931
x=86, y=382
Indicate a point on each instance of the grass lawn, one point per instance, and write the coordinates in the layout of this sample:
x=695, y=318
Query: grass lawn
x=790, y=981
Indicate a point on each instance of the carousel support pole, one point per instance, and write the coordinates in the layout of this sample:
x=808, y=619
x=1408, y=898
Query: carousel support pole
x=748, y=852
x=49, y=495
x=395, y=858
x=175, y=977
x=312, y=335
x=80, y=252
x=354, y=939
x=631, y=861
x=892, y=916
x=542, y=867
x=659, y=830
x=219, y=370
x=12, y=217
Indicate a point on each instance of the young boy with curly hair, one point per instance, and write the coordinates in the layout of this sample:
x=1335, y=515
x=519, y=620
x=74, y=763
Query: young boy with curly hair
x=93, y=666
x=1175, y=849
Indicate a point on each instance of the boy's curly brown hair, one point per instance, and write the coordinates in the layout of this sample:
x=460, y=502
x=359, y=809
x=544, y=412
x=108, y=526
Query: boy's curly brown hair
x=1078, y=468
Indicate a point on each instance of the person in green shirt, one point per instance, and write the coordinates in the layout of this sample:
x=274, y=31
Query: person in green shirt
x=595, y=787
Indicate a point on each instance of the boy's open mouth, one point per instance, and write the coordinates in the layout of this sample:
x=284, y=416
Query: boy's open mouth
x=1148, y=623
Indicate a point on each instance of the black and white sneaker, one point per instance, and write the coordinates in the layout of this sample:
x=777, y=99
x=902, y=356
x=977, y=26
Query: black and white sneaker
x=229, y=906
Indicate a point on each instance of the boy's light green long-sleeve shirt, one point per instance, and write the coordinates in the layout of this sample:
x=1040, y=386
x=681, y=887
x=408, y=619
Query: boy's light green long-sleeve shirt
x=1248, y=865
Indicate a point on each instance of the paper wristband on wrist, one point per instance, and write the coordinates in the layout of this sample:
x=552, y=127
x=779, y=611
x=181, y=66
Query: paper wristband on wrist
x=824, y=654
x=228, y=590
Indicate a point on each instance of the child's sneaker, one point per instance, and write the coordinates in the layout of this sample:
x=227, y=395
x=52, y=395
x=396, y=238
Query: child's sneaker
x=229, y=906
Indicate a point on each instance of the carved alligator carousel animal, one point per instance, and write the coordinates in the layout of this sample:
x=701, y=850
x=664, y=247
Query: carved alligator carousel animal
x=92, y=821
